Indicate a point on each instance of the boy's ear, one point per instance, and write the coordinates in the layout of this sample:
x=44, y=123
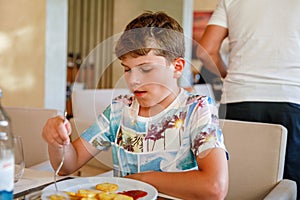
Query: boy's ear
x=178, y=67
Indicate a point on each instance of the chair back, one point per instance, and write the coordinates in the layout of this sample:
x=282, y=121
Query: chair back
x=87, y=105
x=28, y=123
x=257, y=153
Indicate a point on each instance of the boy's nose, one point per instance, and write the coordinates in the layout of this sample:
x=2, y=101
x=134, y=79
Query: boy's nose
x=135, y=78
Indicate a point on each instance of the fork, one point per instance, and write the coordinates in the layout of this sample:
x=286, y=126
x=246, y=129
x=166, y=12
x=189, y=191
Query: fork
x=62, y=160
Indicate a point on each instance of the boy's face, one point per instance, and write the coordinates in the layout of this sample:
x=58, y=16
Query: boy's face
x=151, y=79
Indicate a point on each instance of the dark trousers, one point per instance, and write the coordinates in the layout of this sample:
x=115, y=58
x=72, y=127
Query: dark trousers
x=286, y=114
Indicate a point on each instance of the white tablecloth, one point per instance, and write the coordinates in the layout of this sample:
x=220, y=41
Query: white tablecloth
x=33, y=178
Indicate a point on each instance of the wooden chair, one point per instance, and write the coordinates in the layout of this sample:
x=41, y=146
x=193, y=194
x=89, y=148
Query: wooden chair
x=257, y=154
x=28, y=123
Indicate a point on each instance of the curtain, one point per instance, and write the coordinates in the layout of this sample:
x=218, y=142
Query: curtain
x=90, y=54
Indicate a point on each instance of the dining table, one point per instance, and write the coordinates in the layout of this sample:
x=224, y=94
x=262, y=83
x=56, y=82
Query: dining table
x=34, y=181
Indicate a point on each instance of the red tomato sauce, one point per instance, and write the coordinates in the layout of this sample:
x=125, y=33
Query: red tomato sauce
x=135, y=194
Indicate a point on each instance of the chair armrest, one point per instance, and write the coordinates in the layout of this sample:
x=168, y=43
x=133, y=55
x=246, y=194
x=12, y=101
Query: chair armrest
x=284, y=190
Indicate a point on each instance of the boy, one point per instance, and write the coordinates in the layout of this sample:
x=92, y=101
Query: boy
x=162, y=134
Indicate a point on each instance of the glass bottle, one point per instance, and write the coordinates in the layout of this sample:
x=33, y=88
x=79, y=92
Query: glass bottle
x=6, y=155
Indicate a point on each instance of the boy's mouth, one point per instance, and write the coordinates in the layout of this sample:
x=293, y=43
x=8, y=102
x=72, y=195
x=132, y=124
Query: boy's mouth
x=139, y=93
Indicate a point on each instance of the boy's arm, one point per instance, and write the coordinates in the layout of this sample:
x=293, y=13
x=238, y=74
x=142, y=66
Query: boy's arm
x=209, y=182
x=76, y=155
x=56, y=133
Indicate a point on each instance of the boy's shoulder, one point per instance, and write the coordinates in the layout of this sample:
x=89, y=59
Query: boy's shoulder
x=197, y=98
x=191, y=98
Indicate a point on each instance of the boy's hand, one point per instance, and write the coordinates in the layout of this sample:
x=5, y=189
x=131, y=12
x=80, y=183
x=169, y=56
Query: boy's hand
x=56, y=131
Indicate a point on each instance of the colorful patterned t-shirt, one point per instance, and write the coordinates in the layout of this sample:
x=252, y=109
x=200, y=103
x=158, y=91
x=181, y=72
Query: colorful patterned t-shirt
x=168, y=141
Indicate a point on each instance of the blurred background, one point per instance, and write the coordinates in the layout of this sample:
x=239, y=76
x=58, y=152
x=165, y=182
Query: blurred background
x=43, y=44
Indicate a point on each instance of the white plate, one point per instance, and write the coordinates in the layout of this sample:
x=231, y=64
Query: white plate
x=73, y=185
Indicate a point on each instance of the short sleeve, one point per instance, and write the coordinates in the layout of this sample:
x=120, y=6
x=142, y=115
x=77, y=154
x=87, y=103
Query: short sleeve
x=205, y=129
x=107, y=125
x=99, y=131
x=219, y=16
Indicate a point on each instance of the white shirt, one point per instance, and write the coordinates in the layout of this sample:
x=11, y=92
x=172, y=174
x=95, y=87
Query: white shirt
x=264, y=43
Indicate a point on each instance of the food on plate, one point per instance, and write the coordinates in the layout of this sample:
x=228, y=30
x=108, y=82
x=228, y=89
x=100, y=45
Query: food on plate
x=104, y=191
x=107, y=196
x=122, y=197
x=135, y=194
x=92, y=195
x=117, y=196
x=83, y=193
x=107, y=187
x=113, y=196
x=57, y=197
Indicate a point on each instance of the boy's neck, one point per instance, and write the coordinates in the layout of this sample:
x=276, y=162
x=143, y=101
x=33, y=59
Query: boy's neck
x=156, y=109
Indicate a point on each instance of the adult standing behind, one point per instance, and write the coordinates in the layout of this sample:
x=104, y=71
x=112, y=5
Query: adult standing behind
x=262, y=81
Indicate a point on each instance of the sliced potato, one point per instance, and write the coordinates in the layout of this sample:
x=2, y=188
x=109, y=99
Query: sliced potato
x=106, y=196
x=122, y=197
x=57, y=197
x=103, y=191
x=107, y=187
x=88, y=193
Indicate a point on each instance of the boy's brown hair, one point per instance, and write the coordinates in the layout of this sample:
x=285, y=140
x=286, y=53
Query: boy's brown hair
x=152, y=31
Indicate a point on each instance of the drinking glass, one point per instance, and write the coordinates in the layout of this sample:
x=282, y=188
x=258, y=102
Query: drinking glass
x=19, y=158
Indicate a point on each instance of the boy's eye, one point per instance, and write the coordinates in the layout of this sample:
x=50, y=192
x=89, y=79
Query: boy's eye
x=145, y=69
x=127, y=69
